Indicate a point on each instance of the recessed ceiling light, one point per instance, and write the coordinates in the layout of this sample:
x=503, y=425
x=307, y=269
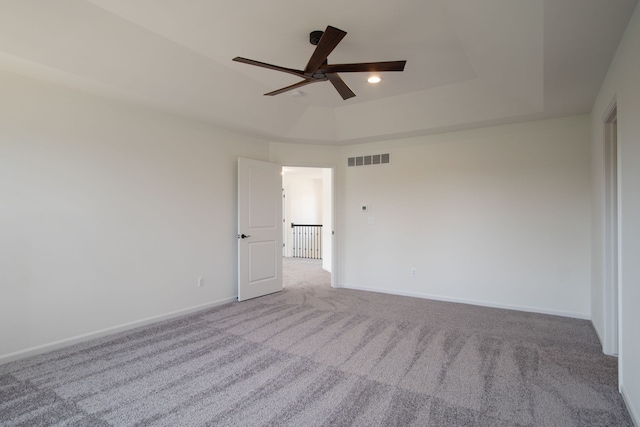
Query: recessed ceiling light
x=374, y=79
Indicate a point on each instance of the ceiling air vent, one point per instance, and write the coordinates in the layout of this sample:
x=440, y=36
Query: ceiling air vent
x=370, y=159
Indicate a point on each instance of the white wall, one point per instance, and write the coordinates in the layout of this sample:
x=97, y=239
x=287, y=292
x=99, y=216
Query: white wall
x=623, y=84
x=305, y=197
x=497, y=216
x=108, y=214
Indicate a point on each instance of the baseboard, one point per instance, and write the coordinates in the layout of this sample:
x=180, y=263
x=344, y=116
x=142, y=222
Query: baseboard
x=600, y=337
x=635, y=417
x=472, y=302
x=33, y=351
x=604, y=348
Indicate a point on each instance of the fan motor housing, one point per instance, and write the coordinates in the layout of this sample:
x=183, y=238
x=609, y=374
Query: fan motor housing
x=314, y=37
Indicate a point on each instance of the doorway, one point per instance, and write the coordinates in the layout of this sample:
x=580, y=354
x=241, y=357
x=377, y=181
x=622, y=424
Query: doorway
x=308, y=218
x=611, y=299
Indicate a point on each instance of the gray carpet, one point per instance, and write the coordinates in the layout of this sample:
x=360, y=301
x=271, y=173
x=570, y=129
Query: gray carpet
x=312, y=355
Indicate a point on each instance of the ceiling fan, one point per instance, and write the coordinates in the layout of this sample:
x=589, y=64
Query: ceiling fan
x=318, y=70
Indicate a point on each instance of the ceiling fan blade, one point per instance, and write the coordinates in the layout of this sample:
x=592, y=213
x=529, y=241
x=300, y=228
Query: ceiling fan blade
x=363, y=67
x=327, y=43
x=288, y=88
x=340, y=86
x=269, y=66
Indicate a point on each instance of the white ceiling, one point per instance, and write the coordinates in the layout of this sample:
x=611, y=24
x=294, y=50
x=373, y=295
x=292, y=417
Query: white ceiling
x=469, y=63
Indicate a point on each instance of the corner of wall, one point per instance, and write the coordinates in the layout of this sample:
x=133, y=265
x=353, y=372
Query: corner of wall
x=635, y=417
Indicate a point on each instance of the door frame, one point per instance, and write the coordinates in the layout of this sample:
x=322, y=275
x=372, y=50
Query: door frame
x=334, y=233
x=611, y=233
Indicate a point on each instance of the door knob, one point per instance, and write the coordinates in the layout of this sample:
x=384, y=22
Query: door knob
x=244, y=236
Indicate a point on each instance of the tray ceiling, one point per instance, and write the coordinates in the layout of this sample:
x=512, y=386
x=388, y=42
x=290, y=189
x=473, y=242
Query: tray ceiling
x=469, y=63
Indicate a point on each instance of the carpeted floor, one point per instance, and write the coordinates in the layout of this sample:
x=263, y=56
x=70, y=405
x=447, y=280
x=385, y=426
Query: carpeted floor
x=313, y=355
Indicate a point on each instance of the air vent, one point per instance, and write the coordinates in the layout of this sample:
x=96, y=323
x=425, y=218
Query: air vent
x=370, y=159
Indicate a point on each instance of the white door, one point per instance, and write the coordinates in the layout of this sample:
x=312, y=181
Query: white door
x=259, y=228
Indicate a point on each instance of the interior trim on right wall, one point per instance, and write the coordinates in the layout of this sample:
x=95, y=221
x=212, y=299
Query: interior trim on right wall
x=622, y=83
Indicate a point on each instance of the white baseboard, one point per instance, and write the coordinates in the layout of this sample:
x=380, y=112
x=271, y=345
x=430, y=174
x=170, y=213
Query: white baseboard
x=635, y=417
x=600, y=337
x=604, y=348
x=108, y=331
x=583, y=316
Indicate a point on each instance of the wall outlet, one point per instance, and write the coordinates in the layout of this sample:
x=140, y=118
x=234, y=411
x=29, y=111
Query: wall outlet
x=413, y=272
x=200, y=282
